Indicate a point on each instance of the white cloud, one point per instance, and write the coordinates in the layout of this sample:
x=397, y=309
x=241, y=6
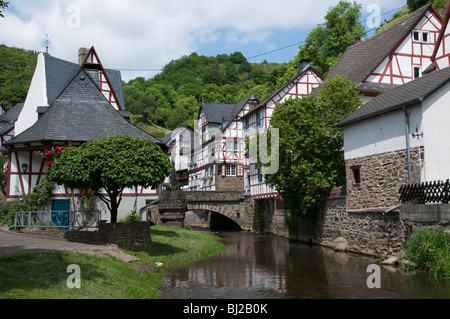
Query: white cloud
x=149, y=34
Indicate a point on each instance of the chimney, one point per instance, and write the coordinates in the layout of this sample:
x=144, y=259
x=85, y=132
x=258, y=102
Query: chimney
x=82, y=52
x=304, y=64
x=357, y=40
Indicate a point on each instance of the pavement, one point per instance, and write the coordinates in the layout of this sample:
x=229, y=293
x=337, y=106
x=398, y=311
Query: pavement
x=12, y=242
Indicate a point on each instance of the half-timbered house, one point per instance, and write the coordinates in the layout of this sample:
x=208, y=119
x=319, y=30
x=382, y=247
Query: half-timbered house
x=396, y=137
x=68, y=103
x=257, y=119
x=392, y=57
x=218, y=156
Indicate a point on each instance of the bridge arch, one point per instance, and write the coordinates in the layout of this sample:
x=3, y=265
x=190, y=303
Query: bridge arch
x=235, y=205
x=219, y=217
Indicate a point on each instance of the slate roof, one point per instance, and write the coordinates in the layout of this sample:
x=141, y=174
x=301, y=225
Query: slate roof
x=80, y=114
x=216, y=112
x=8, y=119
x=362, y=58
x=407, y=94
x=59, y=73
x=220, y=115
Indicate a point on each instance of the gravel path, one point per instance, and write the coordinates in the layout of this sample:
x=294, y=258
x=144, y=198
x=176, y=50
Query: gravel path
x=12, y=242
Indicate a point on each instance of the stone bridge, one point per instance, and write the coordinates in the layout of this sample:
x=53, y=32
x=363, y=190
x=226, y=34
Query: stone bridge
x=233, y=204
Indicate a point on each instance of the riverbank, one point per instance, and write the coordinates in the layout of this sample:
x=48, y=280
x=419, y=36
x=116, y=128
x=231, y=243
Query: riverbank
x=44, y=275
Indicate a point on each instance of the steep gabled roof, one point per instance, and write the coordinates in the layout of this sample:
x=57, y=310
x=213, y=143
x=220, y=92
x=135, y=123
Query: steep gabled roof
x=80, y=114
x=59, y=73
x=362, y=58
x=221, y=114
x=216, y=112
x=407, y=94
x=297, y=76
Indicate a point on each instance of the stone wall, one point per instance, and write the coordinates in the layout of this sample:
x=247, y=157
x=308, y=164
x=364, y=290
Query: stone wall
x=127, y=235
x=371, y=232
x=228, y=183
x=417, y=216
x=380, y=179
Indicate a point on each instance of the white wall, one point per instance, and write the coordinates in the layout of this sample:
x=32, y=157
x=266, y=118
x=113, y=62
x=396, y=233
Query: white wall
x=37, y=96
x=436, y=128
x=381, y=134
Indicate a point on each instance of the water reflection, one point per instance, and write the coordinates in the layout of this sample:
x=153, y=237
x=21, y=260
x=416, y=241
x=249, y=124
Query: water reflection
x=262, y=266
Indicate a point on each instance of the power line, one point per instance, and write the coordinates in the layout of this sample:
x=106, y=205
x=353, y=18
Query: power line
x=301, y=42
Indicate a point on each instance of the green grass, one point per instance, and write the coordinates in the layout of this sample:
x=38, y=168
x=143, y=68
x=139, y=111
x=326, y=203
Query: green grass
x=44, y=275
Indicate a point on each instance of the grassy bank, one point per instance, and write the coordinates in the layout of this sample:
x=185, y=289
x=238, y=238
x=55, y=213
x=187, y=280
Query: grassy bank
x=429, y=249
x=44, y=275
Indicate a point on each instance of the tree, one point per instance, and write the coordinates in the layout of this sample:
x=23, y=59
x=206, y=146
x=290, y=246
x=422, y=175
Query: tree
x=326, y=43
x=413, y=5
x=111, y=164
x=310, y=149
x=3, y=5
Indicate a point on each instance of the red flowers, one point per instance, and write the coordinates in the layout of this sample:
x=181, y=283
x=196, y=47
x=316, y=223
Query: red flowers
x=49, y=156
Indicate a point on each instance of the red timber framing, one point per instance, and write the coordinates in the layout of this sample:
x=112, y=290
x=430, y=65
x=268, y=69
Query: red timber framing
x=441, y=54
x=26, y=170
x=7, y=136
x=410, y=53
x=104, y=83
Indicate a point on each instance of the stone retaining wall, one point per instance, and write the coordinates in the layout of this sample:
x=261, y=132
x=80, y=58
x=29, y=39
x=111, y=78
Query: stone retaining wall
x=127, y=235
x=367, y=232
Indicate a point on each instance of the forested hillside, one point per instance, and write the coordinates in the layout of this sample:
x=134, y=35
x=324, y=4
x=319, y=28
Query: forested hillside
x=172, y=98
x=16, y=70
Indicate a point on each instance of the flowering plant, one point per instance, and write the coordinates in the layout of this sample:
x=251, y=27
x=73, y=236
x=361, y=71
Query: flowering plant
x=49, y=156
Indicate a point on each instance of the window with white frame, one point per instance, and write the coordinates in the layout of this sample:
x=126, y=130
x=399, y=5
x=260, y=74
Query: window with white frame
x=231, y=170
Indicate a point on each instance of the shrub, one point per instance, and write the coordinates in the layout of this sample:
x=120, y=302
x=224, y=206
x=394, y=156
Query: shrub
x=429, y=248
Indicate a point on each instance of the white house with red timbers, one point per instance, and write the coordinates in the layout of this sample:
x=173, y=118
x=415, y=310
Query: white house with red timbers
x=218, y=156
x=393, y=57
x=257, y=119
x=69, y=103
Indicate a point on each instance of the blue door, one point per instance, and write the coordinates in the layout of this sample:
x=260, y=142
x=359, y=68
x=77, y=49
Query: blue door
x=61, y=213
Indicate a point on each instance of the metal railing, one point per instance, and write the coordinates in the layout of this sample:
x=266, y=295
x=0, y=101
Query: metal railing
x=80, y=219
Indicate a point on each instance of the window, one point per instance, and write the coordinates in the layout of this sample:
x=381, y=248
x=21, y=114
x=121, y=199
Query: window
x=356, y=174
x=247, y=124
x=420, y=36
x=231, y=170
x=258, y=119
x=260, y=176
x=416, y=72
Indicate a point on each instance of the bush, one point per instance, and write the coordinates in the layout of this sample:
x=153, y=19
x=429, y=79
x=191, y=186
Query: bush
x=429, y=248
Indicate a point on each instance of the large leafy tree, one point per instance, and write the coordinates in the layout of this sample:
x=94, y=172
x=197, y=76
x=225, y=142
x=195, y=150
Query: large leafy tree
x=111, y=164
x=325, y=44
x=310, y=149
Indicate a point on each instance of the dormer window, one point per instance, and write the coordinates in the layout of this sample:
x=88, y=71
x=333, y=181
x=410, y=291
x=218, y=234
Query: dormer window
x=420, y=36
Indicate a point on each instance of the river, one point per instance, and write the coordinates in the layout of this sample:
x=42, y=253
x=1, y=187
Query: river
x=256, y=266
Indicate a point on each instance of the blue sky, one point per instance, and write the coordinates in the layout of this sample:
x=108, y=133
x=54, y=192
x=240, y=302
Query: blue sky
x=144, y=35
